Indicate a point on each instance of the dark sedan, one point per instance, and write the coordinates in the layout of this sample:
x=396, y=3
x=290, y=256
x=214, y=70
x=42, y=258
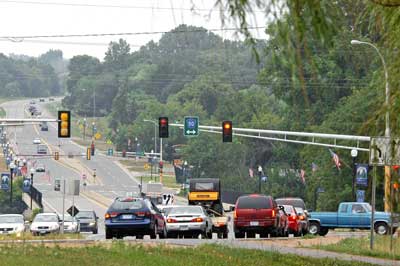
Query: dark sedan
x=129, y=216
x=88, y=221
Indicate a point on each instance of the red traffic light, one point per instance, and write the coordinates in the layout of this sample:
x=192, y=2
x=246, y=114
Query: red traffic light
x=163, y=127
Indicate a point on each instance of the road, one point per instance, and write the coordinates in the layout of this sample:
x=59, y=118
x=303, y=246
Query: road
x=111, y=180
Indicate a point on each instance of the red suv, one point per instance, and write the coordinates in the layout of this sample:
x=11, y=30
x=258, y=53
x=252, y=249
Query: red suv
x=255, y=214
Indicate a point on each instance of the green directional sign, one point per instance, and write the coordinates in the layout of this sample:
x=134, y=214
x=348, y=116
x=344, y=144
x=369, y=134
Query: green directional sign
x=191, y=126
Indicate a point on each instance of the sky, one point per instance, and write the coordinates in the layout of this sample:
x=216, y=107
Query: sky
x=60, y=17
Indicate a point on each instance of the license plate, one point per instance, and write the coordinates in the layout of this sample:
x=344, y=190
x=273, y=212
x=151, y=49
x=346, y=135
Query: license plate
x=184, y=228
x=4, y=232
x=127, y=216
x=254, y=223
x=43, y=232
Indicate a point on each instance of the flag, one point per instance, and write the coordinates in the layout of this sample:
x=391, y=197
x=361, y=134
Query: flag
x=251, y=172
x=314, y=167
x=335, y=159
x=302, y=176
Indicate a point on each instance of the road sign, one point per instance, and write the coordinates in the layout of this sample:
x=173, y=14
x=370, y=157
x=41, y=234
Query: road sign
x=5, y=181
x=109, y=142
x=191, y=126
x=97, y=135
x=384, y=151
x=73, y=210
x=146, y=166
x=110, y=152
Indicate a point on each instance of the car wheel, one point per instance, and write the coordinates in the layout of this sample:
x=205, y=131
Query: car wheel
x=323, y=231
x=164, y=233
x=95, y=231
x=225, y=235
x=209, y=235
x=153, y=234
x=239, y=235
x=139, y=237
x=109, y=234
x=314, y=228
x=381, y=228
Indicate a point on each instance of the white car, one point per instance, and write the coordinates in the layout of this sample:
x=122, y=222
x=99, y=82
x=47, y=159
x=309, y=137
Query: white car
x=45, y=223
x=37, y=141
x=71, y=224
x=40, y=168
x=12, y=224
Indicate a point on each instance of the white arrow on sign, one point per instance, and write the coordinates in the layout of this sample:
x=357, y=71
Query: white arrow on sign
x=191, y=131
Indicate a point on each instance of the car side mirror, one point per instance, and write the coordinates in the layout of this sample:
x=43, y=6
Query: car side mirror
x=231, y=208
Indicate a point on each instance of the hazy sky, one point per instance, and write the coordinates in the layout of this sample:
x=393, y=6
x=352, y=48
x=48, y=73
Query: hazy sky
x=54, y=17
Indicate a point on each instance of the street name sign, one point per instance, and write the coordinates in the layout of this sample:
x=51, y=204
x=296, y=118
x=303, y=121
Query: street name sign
x=191, y=126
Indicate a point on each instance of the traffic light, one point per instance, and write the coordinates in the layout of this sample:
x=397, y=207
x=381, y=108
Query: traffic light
x=227, y=131
x=64, y=124
x=163, y=127
x=56, y=155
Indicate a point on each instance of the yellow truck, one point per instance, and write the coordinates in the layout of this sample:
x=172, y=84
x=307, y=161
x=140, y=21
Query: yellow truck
x=206, y=192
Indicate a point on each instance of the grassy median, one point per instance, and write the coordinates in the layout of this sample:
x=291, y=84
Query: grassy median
x=29, y=236
x=122, y=254
x=361, y=246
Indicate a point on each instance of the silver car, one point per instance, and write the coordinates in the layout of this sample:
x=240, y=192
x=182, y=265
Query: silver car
x=12, y=224
x=189, y=221
x=45, y=223
x=71, y=224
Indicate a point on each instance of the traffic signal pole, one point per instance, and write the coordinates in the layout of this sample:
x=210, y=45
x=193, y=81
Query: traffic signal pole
x=161, y=159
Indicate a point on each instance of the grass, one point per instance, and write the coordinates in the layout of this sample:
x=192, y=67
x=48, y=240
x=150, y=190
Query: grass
x=168, y=181
x=361, y=246
x=122, y=254
x=29, y=236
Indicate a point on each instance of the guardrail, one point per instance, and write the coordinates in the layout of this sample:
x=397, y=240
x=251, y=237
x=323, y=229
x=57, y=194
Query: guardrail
x=36, y=195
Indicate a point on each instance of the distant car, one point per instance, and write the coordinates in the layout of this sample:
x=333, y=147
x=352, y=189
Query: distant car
x=303, y=220
x=128, y=216
x=37, y=141
x=40, y=168
x=12, y=224
x=255, y=213
x=41, y=100
x=44, y=126
x=188, y=221
x=45, y=223
x=88, y=221
x=294, y=220
x=42, y=149
x=71, y=224
x=32, y=102
x=51, y=99
x=295, y=202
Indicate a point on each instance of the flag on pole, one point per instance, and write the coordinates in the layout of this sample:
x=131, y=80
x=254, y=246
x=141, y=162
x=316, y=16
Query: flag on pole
x=302, y=176
x=314, y=167
x=335, y=159
x=251, y=172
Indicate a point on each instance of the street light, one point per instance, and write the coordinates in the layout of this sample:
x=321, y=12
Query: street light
x=12, y=166
x=354, y=154
x=387, y=121
x=155, y=133
x=32, y=172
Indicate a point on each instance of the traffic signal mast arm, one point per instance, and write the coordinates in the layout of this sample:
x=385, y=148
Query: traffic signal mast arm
x=283, y=136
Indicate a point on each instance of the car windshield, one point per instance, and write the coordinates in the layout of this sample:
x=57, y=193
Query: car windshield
x=85, y=215
x=288, y=208
x=250, y=202
x=45, y=218
x=131, y=204
x=186, y=210
x=299, y=210
x=11, y=219
x=68, y=218
x=296, y=202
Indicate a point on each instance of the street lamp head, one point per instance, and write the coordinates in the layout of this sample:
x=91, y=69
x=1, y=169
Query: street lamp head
x=355, y=42
x=354, y=153
x=32, y=171
x=259, y=168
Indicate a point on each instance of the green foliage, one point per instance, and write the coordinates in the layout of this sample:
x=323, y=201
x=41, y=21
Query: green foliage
x=26, y=77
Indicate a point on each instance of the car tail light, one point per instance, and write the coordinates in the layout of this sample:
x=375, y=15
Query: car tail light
x=218, y=224
x=301, y=217
x=292, y=217
x=143, y=214
x=273, y=213
x=234, y=214
x=170, y=220
x=111, y=215
x=197, y=220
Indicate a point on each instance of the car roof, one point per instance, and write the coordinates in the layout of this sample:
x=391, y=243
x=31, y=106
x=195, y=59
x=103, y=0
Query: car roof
x=46, y=213
x=11, y=214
